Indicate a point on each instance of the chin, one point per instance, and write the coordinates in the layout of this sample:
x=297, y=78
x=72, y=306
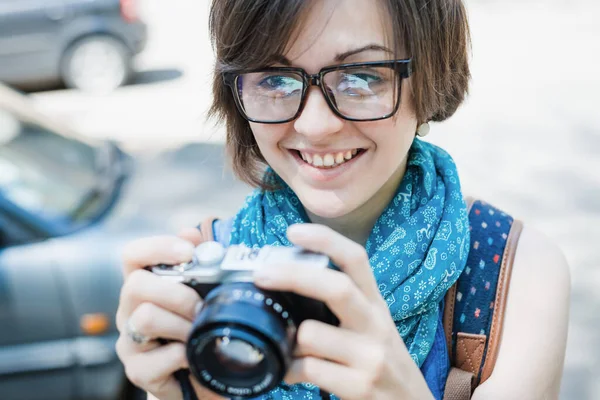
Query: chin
x=327, y=206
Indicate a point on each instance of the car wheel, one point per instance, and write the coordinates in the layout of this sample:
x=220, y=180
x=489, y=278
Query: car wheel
x=97, y=64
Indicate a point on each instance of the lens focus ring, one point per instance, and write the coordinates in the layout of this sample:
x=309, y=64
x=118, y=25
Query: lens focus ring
x=242, y=341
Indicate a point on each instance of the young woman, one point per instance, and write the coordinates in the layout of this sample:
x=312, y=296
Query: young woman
x=331, y=97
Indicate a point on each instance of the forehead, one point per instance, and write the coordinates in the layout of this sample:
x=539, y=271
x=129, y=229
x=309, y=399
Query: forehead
x=332, y=27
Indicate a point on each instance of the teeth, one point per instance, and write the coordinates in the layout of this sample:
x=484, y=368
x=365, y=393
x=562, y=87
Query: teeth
x=317, y=161
x=329, y=159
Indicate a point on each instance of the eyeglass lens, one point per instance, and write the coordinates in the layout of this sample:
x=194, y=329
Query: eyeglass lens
x=356, y=92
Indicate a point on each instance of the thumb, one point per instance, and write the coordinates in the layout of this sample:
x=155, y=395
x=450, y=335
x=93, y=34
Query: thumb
x=192, y=235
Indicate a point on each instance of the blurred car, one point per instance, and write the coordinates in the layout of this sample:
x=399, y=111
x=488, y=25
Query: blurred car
x=88, y=44
x=62, y=225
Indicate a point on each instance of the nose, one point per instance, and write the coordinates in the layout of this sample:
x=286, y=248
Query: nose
x=317, y=120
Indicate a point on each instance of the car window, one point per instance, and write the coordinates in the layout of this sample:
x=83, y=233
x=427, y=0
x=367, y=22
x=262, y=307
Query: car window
x=41, y=171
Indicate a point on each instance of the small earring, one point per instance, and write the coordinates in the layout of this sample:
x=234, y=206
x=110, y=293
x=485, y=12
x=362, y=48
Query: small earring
x=423, y=129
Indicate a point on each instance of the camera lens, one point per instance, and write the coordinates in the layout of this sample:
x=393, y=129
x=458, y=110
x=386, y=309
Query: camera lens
x=242, y=341
x=234, y=362
x=237, y=355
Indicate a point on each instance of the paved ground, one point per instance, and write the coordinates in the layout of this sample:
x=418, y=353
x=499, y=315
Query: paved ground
x=528, y=139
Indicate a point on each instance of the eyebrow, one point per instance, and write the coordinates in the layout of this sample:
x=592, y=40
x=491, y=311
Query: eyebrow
x=339, y=57
x=369, y=47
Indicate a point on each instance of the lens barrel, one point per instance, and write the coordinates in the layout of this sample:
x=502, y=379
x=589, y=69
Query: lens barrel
x=242, y=341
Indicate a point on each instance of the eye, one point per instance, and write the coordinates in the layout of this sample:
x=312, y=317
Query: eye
x=280, y=85
x=359, y=83
x=365, y=77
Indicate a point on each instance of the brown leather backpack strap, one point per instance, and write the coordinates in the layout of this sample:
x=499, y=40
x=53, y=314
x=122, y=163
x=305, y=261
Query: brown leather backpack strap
x=471, y=348
x=459, y=385
x=500, y=302
x=470, y=352
x=449, y=302
x=206, y=229
x=475, y=354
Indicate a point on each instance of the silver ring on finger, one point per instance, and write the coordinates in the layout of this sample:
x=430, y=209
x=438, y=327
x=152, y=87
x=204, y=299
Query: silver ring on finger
x=135, y=335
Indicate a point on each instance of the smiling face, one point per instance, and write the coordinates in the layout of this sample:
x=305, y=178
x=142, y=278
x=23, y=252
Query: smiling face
x=338, y=167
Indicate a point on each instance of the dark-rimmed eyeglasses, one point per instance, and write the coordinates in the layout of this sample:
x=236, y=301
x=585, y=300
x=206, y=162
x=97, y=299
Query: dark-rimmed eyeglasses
x=367, y=91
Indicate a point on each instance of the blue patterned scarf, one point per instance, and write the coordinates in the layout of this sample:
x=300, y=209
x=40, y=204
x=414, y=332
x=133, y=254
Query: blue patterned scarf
x=417, y=248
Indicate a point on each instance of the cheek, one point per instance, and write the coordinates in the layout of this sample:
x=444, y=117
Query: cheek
x=268, y=136
x=392, y=136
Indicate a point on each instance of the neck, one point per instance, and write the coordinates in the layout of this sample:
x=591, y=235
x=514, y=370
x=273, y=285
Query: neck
x=357, y=225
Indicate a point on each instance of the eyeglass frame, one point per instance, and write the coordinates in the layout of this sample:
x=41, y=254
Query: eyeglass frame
x=403, y=68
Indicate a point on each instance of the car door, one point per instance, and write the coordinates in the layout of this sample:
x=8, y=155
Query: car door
x=30, y=45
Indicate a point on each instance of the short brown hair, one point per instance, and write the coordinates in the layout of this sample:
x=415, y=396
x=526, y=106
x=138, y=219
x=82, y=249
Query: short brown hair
x=246, y=33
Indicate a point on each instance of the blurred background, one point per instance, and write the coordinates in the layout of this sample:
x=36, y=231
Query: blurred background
x=88, y=162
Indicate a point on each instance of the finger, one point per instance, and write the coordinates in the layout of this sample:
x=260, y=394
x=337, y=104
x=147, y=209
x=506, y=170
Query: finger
x=125, y=350
x=156, y=322
x=156, y=250
x=192, y=235
x=144, y=286
x=345, y=382
x=153, y=370
x=333, y=288
x=349, y=256
x=320, y=340
x=126, y=347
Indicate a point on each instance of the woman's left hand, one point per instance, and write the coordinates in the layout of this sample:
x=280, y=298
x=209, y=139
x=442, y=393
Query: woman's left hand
x=363, y=358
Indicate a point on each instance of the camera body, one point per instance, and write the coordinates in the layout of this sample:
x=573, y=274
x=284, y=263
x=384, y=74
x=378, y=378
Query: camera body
x=243, y=338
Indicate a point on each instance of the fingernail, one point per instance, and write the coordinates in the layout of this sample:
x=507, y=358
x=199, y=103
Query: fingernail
x=184, y=250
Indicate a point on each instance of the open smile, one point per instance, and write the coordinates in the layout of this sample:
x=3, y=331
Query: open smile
x=327, y=166
x=329, y=160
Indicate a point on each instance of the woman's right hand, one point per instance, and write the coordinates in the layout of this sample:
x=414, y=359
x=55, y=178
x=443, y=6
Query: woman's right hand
x=157, y=308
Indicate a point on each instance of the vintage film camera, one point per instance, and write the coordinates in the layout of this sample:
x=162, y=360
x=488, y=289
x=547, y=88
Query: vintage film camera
x=243, y=338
